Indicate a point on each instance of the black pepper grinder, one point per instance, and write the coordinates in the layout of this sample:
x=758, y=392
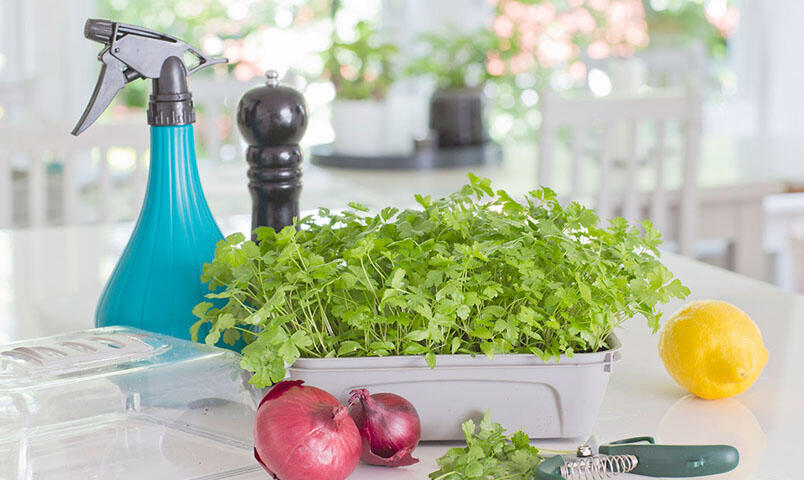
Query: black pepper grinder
x=272, y=120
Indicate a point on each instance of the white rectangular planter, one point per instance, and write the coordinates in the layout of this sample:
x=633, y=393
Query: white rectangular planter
x=545, y=399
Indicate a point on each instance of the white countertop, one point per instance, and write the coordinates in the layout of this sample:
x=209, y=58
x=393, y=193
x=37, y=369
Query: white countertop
x=50, y=280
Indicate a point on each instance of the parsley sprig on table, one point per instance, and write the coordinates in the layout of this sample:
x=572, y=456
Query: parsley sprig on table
x=489, y=455
x=476, y=272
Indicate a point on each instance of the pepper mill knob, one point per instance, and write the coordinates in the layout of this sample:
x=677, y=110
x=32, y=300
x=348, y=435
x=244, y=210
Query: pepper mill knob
x=272, y=120
x=272, y=77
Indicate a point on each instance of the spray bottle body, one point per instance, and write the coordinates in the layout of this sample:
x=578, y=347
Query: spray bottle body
x=157, y=280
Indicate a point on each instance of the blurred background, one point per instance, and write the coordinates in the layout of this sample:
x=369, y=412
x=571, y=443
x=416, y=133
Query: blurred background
x=684, y=112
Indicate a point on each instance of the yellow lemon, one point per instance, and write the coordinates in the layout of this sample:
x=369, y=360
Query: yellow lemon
x=712, y=349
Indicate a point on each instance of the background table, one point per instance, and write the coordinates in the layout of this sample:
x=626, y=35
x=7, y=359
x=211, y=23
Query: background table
x=50, y=280
x=733, y=181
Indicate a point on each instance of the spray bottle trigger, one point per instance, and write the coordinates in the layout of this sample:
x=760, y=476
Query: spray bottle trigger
x=131, y=52
x=111, y=79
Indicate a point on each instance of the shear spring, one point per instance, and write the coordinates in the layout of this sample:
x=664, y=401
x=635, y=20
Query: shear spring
x=598, y=467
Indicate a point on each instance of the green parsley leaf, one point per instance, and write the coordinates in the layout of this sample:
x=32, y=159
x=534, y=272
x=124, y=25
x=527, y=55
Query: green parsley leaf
x=476, y=272
x=489, y=455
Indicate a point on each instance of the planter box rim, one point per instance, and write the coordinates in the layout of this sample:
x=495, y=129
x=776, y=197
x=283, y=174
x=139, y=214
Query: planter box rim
x=506, y=360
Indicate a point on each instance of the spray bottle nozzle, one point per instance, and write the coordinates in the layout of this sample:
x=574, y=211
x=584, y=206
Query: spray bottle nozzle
x=133, y=52
x=99, y=30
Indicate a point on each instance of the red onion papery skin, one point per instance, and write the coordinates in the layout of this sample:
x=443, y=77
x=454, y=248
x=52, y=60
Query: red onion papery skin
x=304, y=433
x=389, y=426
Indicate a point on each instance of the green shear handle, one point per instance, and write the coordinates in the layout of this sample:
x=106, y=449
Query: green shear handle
x=650, y=460
x=674, y=460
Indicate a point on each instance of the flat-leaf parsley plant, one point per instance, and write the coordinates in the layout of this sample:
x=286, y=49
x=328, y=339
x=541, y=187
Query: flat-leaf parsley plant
x=476, y=272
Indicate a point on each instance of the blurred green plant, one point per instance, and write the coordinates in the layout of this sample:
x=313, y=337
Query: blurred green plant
x=182, y=19
x=549, y=42
x=528, y=44
x=361, y=69
x=454, y=60
x=229, y=22
x=687, y=20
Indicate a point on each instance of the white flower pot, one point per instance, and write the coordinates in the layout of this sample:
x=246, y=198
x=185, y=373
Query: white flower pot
x=360, y=127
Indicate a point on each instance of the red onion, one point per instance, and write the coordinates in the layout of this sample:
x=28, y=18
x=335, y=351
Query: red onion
x=389, y=426
x=304, y=433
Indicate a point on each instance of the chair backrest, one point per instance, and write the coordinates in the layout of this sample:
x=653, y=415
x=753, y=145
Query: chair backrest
x=17, y=100
x=30, y=148
x=617, y=122
x=675, y=66
x=665, y=66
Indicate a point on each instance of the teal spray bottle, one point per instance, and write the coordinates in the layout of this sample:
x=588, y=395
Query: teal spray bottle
x=157, y=282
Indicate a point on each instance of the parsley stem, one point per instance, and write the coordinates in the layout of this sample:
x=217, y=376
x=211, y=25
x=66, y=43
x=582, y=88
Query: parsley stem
x=245, y=330
x=446, y=475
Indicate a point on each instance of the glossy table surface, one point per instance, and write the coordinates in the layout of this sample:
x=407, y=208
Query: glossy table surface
x=50, y=280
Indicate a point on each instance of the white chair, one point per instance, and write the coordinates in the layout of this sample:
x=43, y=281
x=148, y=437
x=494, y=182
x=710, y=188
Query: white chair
x=784, y=238
x=30, y=147
x=621, y=188
x=16, y=100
